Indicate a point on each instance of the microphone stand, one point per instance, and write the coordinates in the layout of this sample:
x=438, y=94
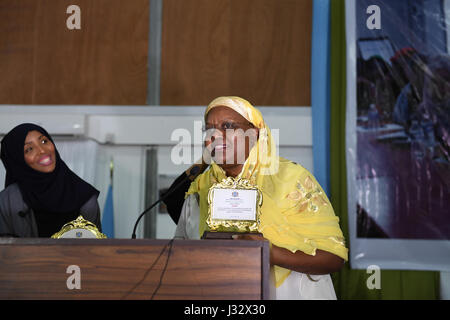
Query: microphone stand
x=193, y=172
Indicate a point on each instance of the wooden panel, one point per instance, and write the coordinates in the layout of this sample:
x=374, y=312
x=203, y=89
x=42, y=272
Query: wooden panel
x=130, y=269
x=43, y=62
x=16, y=50
x=257, y=49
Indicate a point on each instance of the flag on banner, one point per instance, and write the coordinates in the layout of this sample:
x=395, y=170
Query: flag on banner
x=108, y=214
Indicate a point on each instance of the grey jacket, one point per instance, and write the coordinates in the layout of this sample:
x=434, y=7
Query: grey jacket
x=17, y=219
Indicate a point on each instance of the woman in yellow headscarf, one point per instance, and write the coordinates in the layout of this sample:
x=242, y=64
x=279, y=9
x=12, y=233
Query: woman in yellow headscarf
x=296, y=217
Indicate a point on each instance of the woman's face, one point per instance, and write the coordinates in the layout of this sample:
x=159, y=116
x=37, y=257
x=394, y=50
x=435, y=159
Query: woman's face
x=229, y=137
x=39, y=152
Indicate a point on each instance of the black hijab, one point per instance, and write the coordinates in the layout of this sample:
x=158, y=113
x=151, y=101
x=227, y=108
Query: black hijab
x=55, y=197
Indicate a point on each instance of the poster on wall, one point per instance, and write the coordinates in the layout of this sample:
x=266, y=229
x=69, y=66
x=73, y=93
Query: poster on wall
x=398, y=133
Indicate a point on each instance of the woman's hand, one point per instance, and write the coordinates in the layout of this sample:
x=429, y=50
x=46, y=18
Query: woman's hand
x=249, y=236
x=323, y=262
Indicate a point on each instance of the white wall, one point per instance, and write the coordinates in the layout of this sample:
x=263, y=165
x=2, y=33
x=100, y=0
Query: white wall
x=122, y=134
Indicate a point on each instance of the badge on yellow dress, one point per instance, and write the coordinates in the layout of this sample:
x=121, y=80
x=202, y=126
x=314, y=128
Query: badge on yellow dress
x=234, y=206
x=79, y=228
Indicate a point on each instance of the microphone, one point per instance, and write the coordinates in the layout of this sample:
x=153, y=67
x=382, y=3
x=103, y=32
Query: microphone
x=193, y=172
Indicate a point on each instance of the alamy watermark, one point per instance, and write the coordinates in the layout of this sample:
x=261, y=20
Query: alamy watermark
x=225, y=146
x=73, y=22
x=374, y=20
x=374, y=280
x=74, y=280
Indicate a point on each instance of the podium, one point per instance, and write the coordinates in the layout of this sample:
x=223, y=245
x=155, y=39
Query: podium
x=133, y=269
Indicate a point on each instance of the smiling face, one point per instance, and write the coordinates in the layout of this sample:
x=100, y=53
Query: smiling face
x=229, y=138
x=39, y=152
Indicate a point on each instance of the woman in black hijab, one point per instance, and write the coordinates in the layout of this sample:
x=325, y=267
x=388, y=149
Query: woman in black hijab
x=41, y=193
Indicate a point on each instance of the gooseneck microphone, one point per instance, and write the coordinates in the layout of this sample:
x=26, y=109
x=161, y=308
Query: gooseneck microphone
x=193, y=172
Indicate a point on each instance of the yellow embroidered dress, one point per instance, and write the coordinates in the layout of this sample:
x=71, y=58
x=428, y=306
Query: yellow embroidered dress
x=295, y=214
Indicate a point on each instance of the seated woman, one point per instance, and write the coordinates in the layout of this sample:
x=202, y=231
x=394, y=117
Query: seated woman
x=296, y=217
x=41, y=193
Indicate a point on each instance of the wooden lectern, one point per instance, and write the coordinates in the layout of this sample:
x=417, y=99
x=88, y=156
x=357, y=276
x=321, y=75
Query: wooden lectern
x=133, y=269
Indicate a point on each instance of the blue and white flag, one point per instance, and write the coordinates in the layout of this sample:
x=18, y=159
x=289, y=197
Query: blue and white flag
x=108, y=215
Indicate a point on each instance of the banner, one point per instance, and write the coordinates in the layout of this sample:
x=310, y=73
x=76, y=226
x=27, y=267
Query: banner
x=398, y=133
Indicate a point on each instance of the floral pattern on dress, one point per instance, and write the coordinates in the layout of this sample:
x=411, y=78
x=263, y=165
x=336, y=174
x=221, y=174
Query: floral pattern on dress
x=307, y=195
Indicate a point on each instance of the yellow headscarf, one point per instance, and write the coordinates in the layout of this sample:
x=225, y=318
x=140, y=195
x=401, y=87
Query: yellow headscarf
x=295, y=214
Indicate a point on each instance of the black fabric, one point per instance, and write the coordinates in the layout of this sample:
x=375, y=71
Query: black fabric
x=174, y=202
x=55, y=197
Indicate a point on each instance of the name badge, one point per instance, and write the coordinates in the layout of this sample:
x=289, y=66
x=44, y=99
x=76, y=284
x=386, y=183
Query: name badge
x=234, y=206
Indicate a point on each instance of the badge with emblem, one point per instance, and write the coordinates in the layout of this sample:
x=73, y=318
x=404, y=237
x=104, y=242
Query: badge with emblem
x=233, y=207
